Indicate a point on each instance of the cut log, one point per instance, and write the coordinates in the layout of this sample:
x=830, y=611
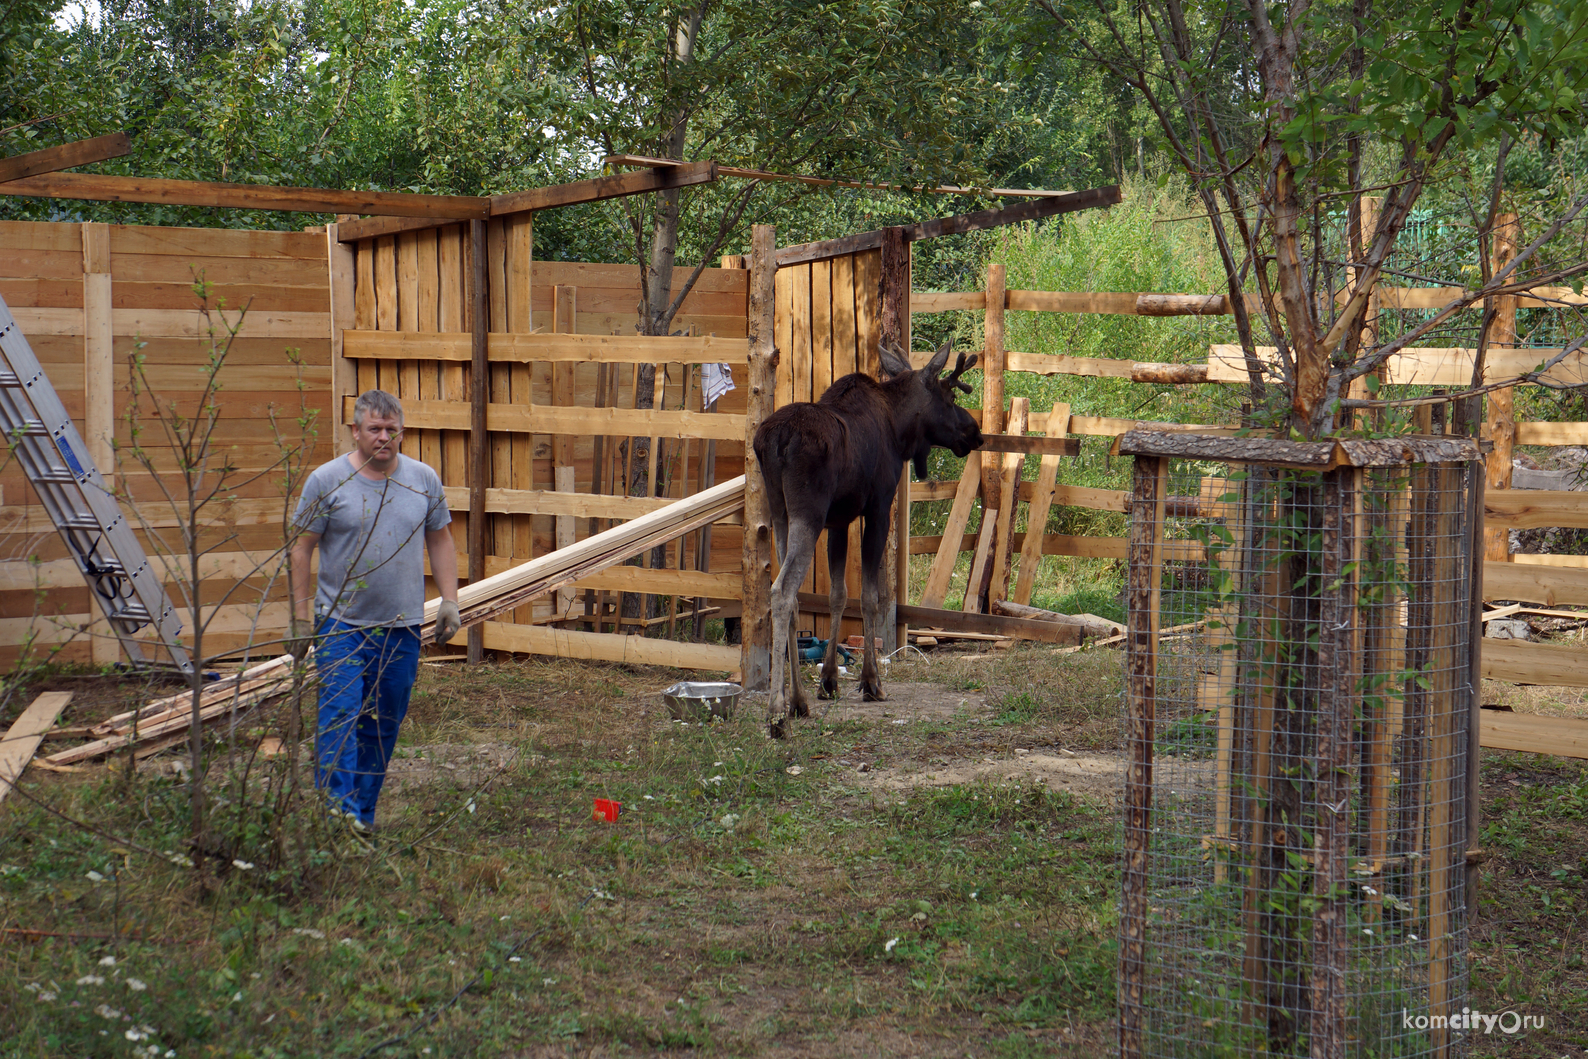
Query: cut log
x=1181, y=305
x=1087, y=623
x=1169, y=374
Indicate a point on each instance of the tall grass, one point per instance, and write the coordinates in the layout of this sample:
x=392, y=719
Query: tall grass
x=1156, y=240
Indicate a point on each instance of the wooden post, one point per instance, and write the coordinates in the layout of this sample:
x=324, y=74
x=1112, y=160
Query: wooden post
x=1447, y=714
x=894, y=329
x=1144, y=554
x=99, y=389
x=993, y=363
x=1475, y=556
x=479, y=323
x=1337, y=705
x=344, y=377
x=1500, y=422
x=755, y=625
x=564, y=305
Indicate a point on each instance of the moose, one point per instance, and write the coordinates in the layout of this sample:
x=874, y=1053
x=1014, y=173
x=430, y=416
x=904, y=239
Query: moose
x=829, y=462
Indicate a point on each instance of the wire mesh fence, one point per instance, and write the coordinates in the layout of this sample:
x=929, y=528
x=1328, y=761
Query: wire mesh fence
x=1297, y=803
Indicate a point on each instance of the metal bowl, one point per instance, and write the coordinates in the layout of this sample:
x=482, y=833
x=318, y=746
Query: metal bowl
x=690, y=700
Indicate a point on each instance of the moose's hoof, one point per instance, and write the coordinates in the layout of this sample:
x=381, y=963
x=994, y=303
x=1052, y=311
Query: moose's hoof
x=800, y=709
x=829, y=689
x=776, y=730
x=872, y=693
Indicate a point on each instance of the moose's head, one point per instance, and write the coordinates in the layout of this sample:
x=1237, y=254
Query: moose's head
x=927, y=407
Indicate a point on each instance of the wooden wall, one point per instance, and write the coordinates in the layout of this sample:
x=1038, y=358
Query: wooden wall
x=555, y=403
x=828, y=320
x=84, y=295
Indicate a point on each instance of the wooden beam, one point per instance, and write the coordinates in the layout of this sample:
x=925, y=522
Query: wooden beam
x=762, y=174
x=942, y=570
x=22, y=739
x=1026, y=211
x=615, y=186
x=1030, y=445
x=67, y=155
x=1521, y=662
x=605, y=647
x=959, y=621
x=1529, y=508
x=479, y=323
x=214, y=194
x=562, y=348
x=1550, y=586
x=805, y=253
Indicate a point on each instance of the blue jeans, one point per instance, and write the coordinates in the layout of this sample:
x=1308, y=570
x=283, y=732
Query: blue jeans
x=366, y=677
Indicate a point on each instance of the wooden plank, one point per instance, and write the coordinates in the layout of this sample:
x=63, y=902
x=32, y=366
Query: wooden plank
x=762, y=174
x=174, y=323
x=981, y=562
x=618, y=185
x=504, y=417
x=954, y=621
x=478, y=321
x=942, y=569
x=755, y=659
x=1552, y=433
x=601, y=647
x=1036, y=209
x=518, y=233
x=1003, y=548
x=22, y=739
x=993, y=364
x=66, y=156
x=1041, y=502
x=946, y=301
x=783, y=321
x=562, y=390
x=868, y=278
x=1521, y=662
x=1108, y=427
x=799, y=351
x=1551, y=586
x=843, y=246
x=1030, y=445
x=555, y=348
x=343, y=300
x=1061, y=364
x=101, y=188
x=1528, y=508
x=1533, y=734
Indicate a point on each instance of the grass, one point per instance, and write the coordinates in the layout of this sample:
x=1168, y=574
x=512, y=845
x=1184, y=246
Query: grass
x=754, y=898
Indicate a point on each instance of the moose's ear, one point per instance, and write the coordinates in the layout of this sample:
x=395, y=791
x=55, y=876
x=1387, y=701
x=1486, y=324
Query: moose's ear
x=894, y=362
x=934, y=367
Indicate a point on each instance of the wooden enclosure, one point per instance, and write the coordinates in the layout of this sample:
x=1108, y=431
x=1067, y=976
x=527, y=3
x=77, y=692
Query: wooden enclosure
x=85, y=295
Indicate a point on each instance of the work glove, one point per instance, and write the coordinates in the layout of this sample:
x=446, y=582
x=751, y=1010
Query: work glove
x=300, y=636
x=448, y=622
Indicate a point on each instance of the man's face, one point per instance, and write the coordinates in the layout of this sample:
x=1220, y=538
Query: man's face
x=378, y=438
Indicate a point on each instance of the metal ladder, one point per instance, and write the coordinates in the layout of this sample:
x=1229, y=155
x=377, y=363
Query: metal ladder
x=52, y=454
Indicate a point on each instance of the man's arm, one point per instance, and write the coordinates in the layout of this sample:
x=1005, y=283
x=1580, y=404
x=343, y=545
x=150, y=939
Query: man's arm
x=443, y=562
x=302, y=552
x=444, y=568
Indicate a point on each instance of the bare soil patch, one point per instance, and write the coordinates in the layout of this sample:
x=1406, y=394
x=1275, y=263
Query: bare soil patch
x=1096, y=776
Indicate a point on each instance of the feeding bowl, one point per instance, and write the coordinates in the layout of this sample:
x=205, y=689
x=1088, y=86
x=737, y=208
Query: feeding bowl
x=691, y=700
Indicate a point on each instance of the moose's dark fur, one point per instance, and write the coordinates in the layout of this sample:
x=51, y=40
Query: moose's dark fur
x=830, y=462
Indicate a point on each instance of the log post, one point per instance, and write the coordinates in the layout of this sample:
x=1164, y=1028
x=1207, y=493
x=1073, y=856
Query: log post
x=894, y=330
x=99, y=390
x=755, y=648
x=1500, y=422
x=1144, y=554
x=479, y=324
x=993, y=362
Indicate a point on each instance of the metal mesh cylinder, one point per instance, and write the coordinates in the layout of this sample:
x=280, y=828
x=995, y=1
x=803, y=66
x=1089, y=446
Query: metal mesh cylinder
x=1300, y=701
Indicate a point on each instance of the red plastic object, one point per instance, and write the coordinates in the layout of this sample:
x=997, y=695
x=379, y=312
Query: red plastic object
x=606, y=809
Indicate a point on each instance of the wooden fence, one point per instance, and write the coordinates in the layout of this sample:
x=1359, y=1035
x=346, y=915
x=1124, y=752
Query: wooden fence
x=84, y=294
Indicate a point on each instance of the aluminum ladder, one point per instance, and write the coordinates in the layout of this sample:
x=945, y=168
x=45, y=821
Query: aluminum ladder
x=51, y=453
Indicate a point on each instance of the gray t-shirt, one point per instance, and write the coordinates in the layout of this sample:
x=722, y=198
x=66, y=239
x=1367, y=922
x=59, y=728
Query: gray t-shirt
x=372, y=540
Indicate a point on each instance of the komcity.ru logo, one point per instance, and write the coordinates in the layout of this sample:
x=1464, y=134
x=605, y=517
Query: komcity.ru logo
x=1470, y=1019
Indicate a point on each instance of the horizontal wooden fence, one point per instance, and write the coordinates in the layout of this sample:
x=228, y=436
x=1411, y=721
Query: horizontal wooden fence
x=1542, y=580
x=86, y=296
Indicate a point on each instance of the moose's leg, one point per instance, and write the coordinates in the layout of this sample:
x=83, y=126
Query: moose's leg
x=837, y=599
x=873, y=545
x=795, y=561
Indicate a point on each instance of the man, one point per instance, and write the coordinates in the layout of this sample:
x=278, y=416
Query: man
x=369, y=512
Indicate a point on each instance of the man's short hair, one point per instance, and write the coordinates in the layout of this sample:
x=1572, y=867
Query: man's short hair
x=380, y=402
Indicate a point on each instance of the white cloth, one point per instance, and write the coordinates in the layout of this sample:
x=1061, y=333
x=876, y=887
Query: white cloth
x=715, y=380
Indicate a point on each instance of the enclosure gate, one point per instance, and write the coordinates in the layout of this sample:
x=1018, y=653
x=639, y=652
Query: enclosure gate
x=1300, y=786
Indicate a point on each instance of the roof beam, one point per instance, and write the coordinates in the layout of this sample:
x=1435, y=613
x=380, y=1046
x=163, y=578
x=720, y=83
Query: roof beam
x=803, y=253
x=67, y=155
x=762, y=174
x=599, y=189
x=101, y=188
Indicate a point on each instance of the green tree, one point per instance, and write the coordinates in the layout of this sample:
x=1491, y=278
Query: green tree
x=1285, y=115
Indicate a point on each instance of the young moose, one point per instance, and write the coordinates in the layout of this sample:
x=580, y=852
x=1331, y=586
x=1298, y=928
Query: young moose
x=831, y=462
